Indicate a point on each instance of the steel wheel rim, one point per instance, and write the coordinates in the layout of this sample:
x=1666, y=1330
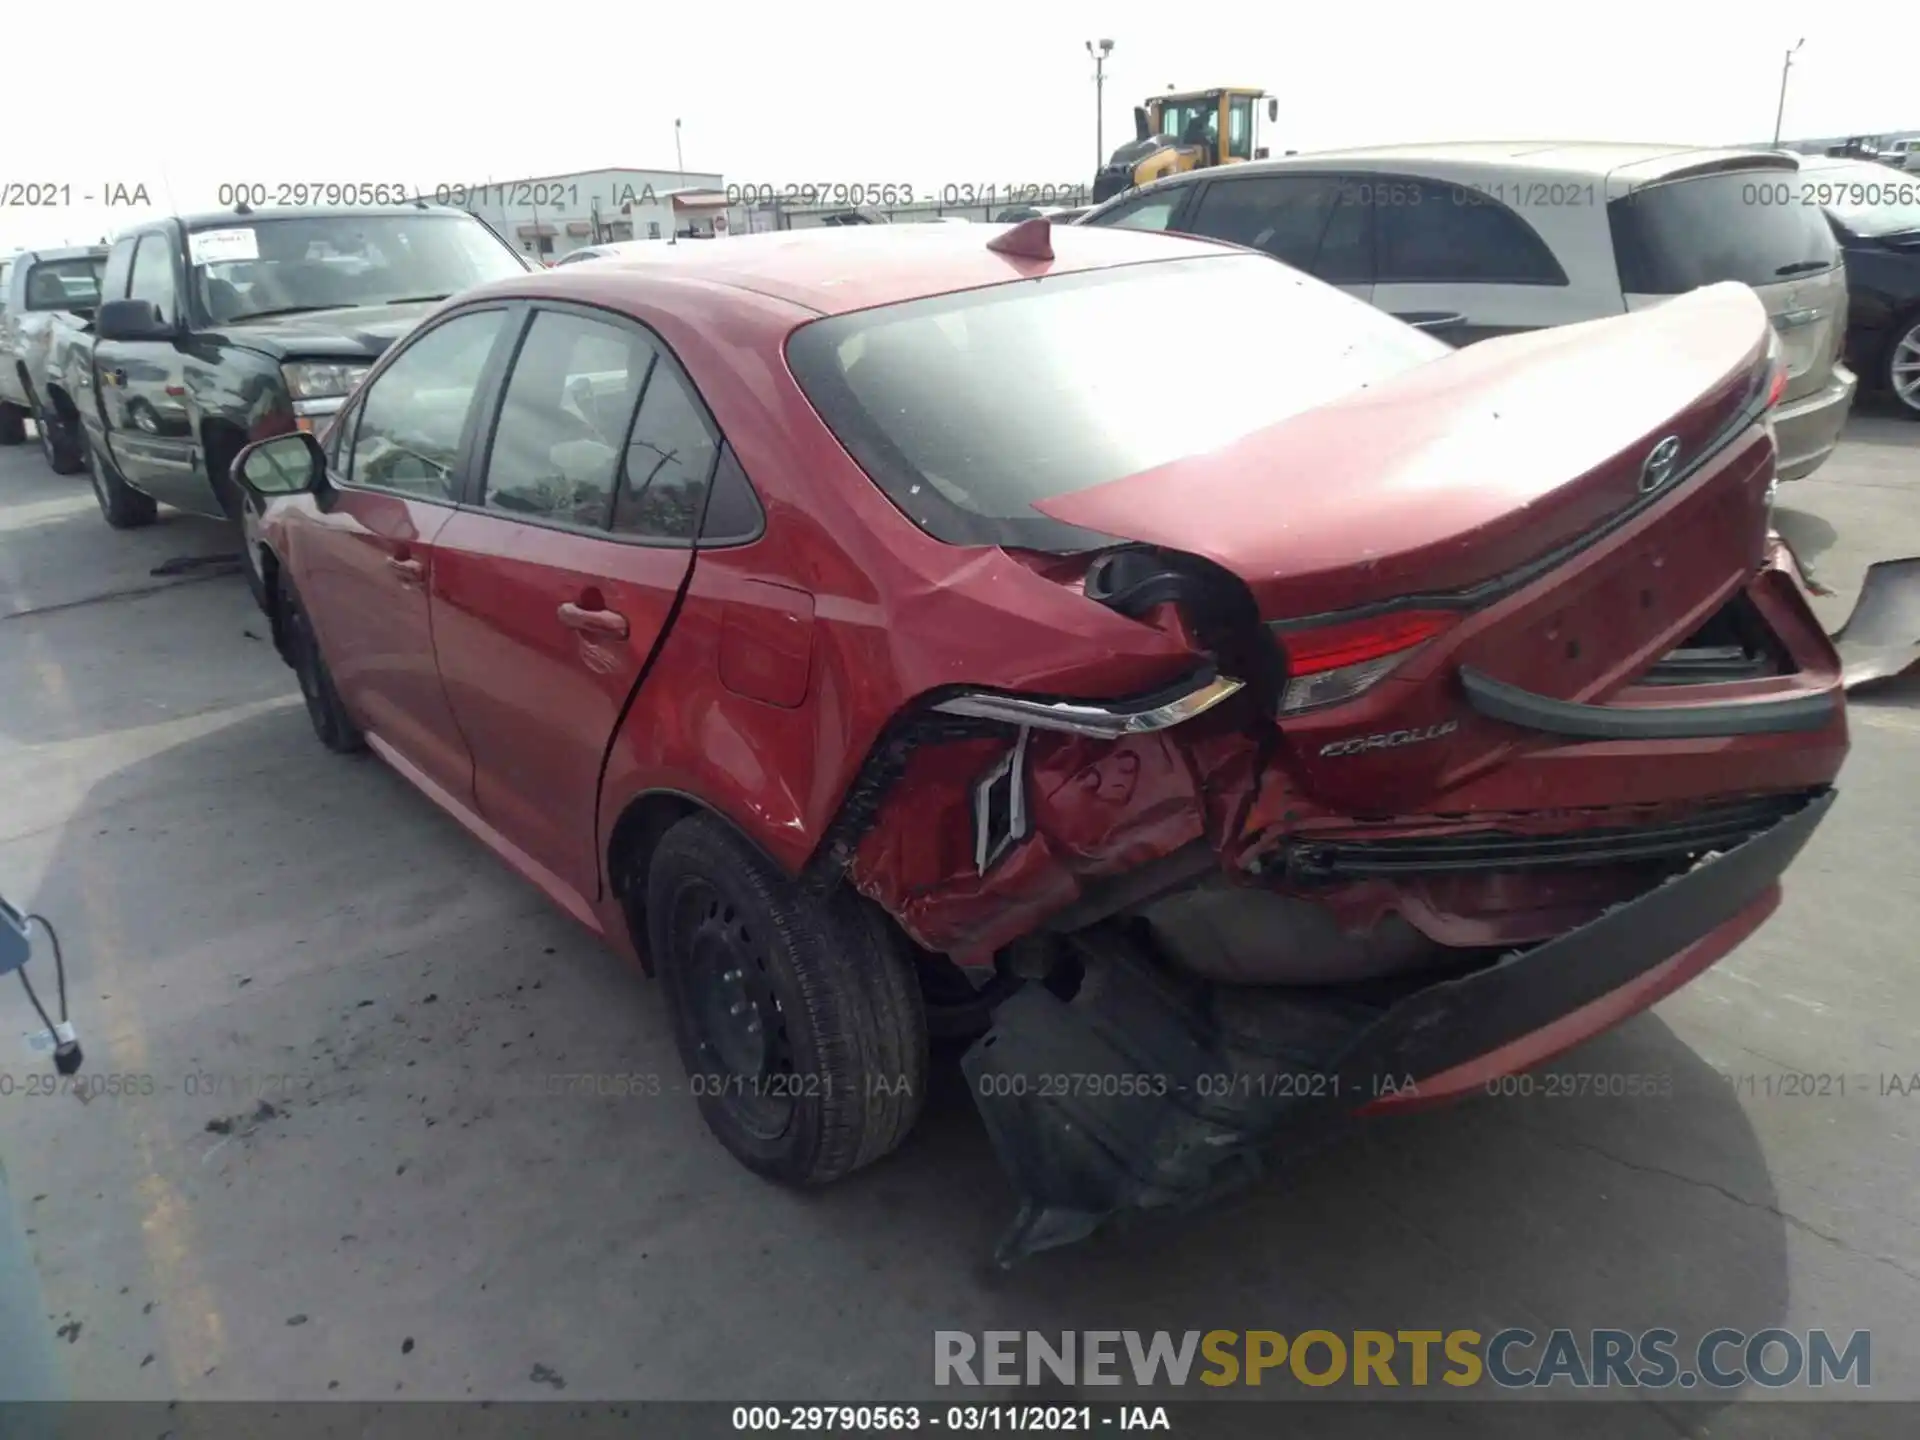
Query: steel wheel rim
x=1905, y=369
x=743, y=1056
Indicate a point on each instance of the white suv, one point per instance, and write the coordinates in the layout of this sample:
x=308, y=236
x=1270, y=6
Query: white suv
x=1471, y=241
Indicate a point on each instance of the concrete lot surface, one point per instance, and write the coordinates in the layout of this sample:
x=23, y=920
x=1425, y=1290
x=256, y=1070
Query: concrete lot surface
x=250, y=919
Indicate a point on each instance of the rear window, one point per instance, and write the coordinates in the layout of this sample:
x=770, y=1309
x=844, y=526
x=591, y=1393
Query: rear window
x=1745, y=225
x=967, y=409
x=65, y=284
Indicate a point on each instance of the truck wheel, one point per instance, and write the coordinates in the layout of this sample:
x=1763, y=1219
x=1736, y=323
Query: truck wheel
x=798, y=1017
x=13, y=424
x=125, y=508
x=1902, y=375
x=58, y=442
x=331, y=723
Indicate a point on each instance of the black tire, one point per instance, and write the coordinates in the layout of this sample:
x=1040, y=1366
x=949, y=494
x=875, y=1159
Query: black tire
x=13, y=424
x=1899, y=368
x=253, y=564
x=66, y=454
x=834, y=1077
x=331, y=723
x=124, y=507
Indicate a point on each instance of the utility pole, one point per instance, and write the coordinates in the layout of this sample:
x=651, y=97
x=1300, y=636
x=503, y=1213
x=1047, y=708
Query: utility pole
x=1099, y=106
x=1780, y=114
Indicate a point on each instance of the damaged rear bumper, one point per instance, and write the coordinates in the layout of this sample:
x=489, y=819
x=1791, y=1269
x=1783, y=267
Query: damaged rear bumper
x=1150, y=1089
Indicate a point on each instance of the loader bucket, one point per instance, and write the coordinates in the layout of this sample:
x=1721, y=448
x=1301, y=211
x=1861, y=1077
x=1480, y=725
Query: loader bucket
x=1881, y=639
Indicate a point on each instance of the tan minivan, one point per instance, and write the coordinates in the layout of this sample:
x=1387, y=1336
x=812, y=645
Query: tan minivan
x=1473, y=240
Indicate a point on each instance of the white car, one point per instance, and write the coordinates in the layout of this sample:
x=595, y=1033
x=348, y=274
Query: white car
x=1903, y=153
x=1475, y=240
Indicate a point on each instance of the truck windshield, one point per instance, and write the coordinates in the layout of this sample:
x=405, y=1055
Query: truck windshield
x=967, y=409
x=331, y=262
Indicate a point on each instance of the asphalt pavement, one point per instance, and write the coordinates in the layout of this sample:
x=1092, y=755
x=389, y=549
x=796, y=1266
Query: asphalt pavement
x=330, y=1170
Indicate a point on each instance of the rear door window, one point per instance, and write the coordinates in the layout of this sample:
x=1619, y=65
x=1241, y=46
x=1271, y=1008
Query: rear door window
x=1677, y=235
x=1431, y=232
x=564, y=420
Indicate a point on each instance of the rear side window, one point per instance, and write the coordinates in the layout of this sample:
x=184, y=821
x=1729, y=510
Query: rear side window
x=1434, y=233
x=669, y=462
x=1678, y=235
x=1315, y=223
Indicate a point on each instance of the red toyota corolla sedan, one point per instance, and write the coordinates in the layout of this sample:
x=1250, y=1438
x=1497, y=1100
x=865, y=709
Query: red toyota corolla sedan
x=1229, y=707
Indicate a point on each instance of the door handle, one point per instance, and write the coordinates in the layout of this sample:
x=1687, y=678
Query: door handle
x=407, y=569
x=593, y=622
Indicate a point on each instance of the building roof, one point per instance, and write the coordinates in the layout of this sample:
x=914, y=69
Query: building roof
x=831, y=270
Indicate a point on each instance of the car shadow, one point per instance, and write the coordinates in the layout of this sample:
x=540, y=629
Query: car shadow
x=247, y=907
x=1806, y=534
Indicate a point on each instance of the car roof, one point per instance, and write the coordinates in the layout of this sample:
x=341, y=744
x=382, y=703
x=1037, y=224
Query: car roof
x=1647, y=161
x=831, y=270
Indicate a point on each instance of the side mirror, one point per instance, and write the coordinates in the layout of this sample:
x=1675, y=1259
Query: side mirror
x=282, y=465
x=1273, y=109
x=131, y=320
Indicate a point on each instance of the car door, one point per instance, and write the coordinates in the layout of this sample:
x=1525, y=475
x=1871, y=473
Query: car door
x=142, y=386
x=1462, y=264
x=557, y=583
x=1319, y=223
x=364, y=554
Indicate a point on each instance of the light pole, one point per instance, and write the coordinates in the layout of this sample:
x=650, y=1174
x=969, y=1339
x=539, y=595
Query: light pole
x=1785, y=66
x=1099, y=107
x=677, y=160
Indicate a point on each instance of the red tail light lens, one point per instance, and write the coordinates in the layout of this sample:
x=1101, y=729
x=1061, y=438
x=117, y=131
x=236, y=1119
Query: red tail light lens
x=1332, y=663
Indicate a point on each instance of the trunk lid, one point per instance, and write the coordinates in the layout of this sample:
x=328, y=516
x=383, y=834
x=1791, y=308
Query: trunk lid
x=1454, y=473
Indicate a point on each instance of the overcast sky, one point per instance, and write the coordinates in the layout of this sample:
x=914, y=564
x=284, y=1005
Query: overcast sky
x=182, y=98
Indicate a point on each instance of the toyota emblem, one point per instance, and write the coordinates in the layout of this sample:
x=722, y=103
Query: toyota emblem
x=1663, y=461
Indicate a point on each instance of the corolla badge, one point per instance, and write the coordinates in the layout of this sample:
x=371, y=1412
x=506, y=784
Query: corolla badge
x=1662, y=464
x=1388, y=739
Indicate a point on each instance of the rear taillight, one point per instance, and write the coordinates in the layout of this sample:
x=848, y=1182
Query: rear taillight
x=1776, y=369
x=1331, y=663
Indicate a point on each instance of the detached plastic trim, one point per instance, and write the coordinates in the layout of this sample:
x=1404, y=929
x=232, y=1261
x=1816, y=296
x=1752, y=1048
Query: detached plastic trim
x=1498, y=700
x=1082, y=717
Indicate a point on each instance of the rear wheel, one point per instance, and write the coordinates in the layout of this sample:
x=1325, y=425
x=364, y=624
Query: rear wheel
x=59, y=441
x=124, y=507
x=798, y=1017
x=331, y=723
x=1903, y=368
x=13, y=424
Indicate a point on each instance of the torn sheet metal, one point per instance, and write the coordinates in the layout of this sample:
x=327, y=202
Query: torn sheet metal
x=1881, y=639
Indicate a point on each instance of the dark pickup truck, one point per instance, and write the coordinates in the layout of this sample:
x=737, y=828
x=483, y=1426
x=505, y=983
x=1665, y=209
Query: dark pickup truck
x=220, y=329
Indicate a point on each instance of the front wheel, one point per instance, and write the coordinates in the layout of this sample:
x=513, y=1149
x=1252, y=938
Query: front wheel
x=124, y=507
x=1903, y=369
x=331, y=723
x=60, y=442
x=798, y=1017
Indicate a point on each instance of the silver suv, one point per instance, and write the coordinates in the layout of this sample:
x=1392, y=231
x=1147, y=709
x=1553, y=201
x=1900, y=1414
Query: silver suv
x=1470, y=241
